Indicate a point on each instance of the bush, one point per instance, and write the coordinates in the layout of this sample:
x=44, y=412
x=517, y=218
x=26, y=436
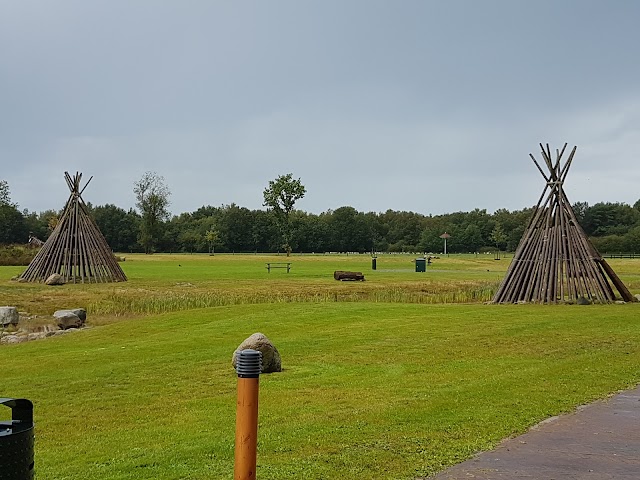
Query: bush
x=16, y=255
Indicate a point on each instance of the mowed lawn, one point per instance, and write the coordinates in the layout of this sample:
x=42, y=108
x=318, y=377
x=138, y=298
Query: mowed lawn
x=160, y=283
x=370, y=390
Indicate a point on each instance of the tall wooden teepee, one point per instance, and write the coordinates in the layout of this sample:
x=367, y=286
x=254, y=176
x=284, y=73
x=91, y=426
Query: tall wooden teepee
x=76, y=249
x=555, y=262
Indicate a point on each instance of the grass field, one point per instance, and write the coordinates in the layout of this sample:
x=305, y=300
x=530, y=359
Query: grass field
x=162, y=283
x=376, y=384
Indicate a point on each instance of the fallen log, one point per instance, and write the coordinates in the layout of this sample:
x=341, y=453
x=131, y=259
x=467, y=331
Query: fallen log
x=348, y=276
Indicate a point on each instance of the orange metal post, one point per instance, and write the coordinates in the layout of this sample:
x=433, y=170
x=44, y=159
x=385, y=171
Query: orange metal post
x=248, y=368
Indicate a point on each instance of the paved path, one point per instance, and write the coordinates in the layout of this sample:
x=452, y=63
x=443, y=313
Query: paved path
x=599, y=441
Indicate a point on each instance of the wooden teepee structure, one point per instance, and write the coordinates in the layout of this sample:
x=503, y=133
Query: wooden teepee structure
x=555, y=262
x=75, y=249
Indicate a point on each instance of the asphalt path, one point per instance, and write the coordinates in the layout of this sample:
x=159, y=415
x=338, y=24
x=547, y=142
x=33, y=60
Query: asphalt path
x=598, y=441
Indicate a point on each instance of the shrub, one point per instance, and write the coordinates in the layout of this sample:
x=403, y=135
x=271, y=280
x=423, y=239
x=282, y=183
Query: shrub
x=16, y=255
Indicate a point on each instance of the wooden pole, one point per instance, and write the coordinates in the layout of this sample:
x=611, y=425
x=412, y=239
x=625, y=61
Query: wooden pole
x=248, y=369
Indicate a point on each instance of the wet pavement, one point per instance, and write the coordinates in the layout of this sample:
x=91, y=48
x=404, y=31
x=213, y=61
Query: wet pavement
x=598, y=441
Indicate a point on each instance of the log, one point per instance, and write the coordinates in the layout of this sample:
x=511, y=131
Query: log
x=348, y=276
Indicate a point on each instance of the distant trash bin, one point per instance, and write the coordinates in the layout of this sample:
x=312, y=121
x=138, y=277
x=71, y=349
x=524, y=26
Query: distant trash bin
x=373, y=263
x=16, y=441
x=421, y=264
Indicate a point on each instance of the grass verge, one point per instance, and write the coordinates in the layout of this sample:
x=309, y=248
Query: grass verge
x=369, y=391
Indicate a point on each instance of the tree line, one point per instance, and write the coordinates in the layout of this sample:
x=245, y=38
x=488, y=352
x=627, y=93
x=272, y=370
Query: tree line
x=612, y=227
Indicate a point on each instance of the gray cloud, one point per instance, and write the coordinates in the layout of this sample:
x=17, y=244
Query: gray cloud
x=413, y=105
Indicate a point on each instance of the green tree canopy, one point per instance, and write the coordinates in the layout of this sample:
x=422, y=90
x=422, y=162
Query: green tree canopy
x=5, y=197
x=281, y=196
x=118, y=226
x=13, y=228
x=152, y=198
x=498, y=236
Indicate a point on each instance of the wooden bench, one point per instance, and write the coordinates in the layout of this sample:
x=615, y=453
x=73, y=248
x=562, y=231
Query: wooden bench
x=286, y=265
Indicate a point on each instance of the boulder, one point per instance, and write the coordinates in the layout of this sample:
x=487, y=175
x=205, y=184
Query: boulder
x=54, y=279
x=9, y=316
x=271, y=361
x=637, y=295
x=80, y=312
x=583, y=301
x=67, y=319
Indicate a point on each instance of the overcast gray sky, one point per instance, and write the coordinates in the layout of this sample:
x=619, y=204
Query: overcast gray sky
x=427, y=106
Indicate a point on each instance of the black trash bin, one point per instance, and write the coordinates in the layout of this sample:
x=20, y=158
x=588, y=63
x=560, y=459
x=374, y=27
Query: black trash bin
x=421, y=264
x=16, y=441
x=373, y=263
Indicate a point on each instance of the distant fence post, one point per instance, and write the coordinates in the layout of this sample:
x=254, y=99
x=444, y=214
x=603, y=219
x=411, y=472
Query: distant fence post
x=248, y=366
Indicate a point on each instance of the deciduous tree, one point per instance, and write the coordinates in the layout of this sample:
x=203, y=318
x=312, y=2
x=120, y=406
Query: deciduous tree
x=281, y=196
x=5, y=197
x=152, y=195
x=498, y=236
x=12, y=225
x=211, y=236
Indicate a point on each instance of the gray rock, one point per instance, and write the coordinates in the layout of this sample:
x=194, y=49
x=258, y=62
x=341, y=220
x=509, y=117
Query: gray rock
x=9, y=316
x=619, y=302
x=271, y=361
x=54, y=279
x=36, y=336
x=43, y=328
x=67, y=319
x=583, y=301
x=80, y=312
x=12, y=339
x=637, y=295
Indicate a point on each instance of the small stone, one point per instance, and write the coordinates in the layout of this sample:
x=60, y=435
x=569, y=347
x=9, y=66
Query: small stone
x=36, y=336
x=12, y=339
x=54, y=279
x=583, y=301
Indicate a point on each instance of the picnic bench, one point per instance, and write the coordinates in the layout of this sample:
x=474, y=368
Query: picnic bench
x=271, y=265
